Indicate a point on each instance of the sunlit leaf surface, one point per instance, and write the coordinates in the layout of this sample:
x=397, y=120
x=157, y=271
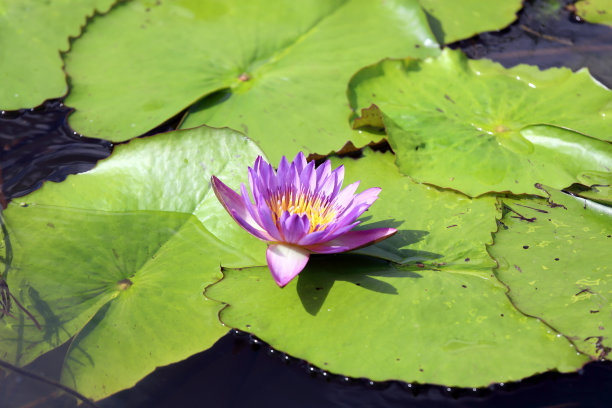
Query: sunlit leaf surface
x=32, y=34
x=281, y=67
x=119, y=257
x=431, y=320
x=554, y=255
x=476, y=127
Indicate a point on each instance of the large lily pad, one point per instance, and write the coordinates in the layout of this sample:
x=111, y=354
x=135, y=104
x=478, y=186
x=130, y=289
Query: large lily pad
x=595, y=11
x=119, y=257
x=429, y=321
x=476, y=127
x=283, y=65
x=454, y=239
x=32, y=34
x=554, y=255
x=456, y=20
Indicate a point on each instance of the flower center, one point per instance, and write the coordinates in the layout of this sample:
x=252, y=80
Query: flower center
x=318, y=209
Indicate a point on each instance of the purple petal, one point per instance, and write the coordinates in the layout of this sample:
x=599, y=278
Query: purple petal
x=352, y=240
x=338, y=176
x=265, y=216
x=293, y=227
x=367, y=197
x=232, y=202
x=282, y=173
x=323, y=171
x=255, y=231
x=246, y=198
x=343, y=199
x=285, y=262
x=300, y=162
x=308, y=178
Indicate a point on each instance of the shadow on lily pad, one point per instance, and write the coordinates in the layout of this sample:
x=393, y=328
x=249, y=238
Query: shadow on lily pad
x=319, y=276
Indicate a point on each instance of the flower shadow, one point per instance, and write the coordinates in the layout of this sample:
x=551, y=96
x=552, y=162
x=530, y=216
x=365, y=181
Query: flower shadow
x=323, y=271
x=396, y=248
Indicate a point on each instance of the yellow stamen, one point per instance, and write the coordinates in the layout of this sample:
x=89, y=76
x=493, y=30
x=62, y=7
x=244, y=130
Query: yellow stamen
x=318, y=209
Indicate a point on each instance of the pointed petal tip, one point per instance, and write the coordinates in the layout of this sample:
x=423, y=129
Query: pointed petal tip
x=285, y=262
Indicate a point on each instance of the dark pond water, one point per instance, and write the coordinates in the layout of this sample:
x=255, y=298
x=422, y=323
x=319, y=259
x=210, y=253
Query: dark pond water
x=38, y=145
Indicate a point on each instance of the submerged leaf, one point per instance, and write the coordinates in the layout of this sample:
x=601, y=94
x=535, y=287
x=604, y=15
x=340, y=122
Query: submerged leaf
x=477, y=127
x=554, y=255
x=275, y=69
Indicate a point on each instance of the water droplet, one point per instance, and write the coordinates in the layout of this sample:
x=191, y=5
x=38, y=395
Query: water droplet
x=531, y=85
x=518, y=77
x=448, y=389
x=133, y=125
x=474, y=389
x=16, y=95
x=558, y=335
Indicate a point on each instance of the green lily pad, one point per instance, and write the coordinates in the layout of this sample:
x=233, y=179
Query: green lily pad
x=279, y=74
x=362, y=318
x=595, y=11
x=119, y=257
x=32, y=34
x=430, y=320
x=554, y=255
x=477, y=127
x=456, y=20
x=454, y=239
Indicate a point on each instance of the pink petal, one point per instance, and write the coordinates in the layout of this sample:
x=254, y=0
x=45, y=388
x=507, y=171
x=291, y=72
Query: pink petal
x=285, y=262
x=352, y=240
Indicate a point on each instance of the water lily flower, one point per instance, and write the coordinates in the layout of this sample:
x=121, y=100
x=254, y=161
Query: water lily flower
x=300, y=210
